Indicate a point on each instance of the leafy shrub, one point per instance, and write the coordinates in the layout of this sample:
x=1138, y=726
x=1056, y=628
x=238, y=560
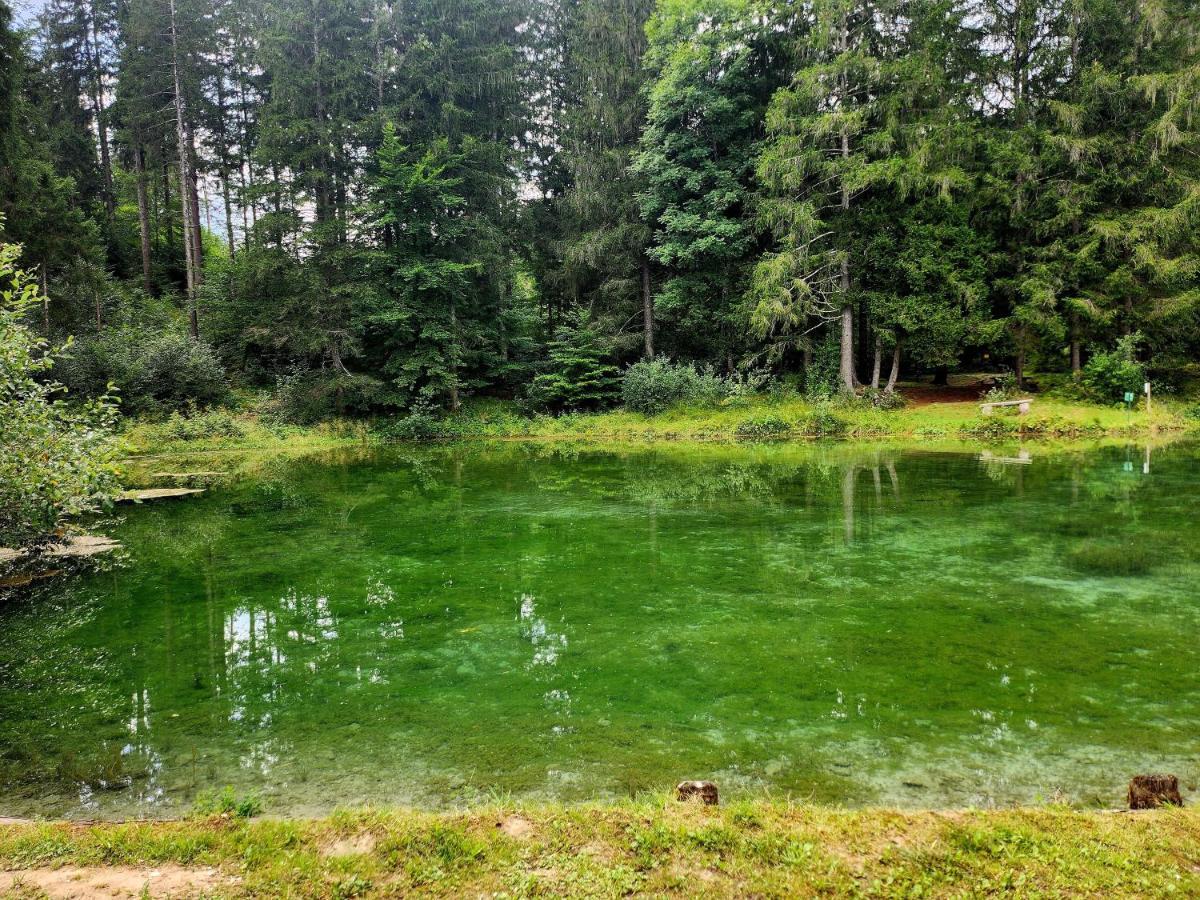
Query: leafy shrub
x=822, y=422
x=306, y=397
x=1109, y=375
x=653, y=386
x=421, y=424
x=879, y=399
x=760, y=427
x=1004, y=389
x=56, y=459
x=154, y=370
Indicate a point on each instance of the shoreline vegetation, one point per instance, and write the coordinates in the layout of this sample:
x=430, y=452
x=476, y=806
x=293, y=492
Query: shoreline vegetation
x=754, y=419
x=647, y=847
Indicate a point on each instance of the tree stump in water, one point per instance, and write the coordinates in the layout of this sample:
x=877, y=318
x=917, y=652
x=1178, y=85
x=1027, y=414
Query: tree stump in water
x=1153, y=791
x=705, y=790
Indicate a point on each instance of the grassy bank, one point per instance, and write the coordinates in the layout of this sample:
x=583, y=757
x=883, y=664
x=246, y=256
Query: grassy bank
x=764, y=417
x=652, y=848
x=751, y=419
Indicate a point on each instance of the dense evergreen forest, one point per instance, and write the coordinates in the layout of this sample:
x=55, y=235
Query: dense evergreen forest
x=367, y=206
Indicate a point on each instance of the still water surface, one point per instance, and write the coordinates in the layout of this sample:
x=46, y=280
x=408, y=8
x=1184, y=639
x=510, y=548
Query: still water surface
x=845, y=624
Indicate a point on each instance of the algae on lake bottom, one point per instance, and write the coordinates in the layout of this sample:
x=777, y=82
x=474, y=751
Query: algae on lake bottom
x=435, y=626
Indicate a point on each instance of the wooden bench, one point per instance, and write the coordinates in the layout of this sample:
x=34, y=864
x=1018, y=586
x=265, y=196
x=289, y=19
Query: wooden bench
x=1022, y=405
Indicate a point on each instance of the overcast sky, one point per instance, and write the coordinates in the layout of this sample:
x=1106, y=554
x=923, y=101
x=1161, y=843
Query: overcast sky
x=26, y=10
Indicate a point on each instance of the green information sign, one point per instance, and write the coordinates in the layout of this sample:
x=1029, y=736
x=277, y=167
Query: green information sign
x=1129, y=396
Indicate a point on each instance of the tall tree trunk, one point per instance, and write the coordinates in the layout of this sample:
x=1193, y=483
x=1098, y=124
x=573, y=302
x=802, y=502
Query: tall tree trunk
x=92, y=48
x=878, y=364
x=894, y=375
x=848, y=376
x=847, y=352
x=194, y=193
x=185, y=181
x=647, y=309
x=139, y=164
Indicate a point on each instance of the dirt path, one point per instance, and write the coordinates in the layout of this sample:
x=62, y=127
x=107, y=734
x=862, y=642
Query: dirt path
x=114, y=883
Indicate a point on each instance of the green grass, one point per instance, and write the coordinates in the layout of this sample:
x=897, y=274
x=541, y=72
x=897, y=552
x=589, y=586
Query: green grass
x=651, y=848
x=749, y=419
x=792, y=417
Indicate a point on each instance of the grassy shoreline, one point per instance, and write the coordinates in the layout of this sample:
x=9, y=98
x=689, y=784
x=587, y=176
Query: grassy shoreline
x=758, y=419
x=652, y=847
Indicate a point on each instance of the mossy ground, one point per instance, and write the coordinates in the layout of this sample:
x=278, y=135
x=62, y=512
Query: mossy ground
x=650, y=848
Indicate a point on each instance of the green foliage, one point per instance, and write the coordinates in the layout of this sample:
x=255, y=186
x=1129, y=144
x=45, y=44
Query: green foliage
x=1109, y=375
x=302, y=397
x=423, y=423
x=226, y=802
x=416, y=196
x=823, y=422
x=879, y=399
x=577, y=374
x=652, y=386
x=56, y=457
x=759, y=428
x=197, y=425
x=155, y=371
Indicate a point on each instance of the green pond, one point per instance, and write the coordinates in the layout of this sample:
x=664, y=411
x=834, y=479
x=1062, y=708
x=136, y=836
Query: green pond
x=441, y=626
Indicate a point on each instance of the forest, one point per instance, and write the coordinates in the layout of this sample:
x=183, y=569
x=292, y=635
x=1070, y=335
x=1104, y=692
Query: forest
x=365, y=207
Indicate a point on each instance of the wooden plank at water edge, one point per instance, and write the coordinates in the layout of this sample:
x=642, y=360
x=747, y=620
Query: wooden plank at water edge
x=79, y=545
x=190, y=474
x=157, y=494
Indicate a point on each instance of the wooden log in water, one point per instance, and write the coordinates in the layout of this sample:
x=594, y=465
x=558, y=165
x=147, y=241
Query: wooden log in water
x=190, y=474
x=138, y=496
x=1153, y=791
x=76, y=546
x=706, y=791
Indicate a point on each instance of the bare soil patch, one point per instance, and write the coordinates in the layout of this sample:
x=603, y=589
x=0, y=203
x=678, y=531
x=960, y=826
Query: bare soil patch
x=115, y=883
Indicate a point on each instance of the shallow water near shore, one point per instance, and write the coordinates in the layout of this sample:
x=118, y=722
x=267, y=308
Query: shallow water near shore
x=440, y=626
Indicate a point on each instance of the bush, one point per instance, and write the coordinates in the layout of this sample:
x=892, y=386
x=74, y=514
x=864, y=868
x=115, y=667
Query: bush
x=421, y=424
x=56, y=458
x=155, y=371
x=1109, y=375
x=761, y=427
x=878, y=399
x=653, y=386
x=305, y=398
x=822, y=422
x=1004, y=389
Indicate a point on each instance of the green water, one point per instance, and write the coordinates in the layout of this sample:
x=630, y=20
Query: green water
x=435, y=627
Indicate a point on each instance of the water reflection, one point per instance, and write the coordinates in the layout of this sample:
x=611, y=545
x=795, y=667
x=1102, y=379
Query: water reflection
x=836, y=621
